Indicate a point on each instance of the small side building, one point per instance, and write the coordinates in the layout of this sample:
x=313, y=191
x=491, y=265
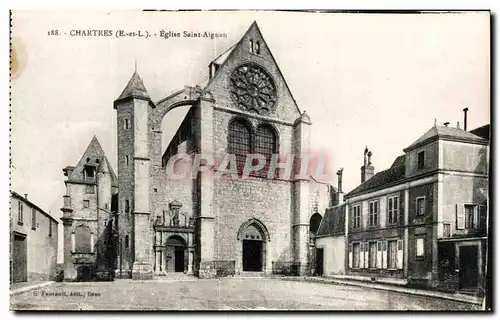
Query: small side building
x=330, y=242
x=33, y=241
x=329, y=239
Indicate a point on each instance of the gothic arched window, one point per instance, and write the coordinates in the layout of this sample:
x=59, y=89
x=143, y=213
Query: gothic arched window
x=239, y=141
x=266, y=145
x=83, y=242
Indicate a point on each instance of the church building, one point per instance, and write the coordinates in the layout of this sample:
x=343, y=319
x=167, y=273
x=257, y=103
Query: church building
x=208, y=223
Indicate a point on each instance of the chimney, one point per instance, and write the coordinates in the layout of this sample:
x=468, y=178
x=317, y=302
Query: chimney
x=458, y=125
x=26, y=196
x=339, y=174
x=446, y=124
x=465, y=118
x=367, y=170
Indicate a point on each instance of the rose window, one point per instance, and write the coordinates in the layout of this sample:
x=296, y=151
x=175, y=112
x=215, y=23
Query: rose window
x=253, y=89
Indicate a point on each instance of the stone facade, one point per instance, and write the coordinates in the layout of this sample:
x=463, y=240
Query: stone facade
x=33, y=241
x=214, y=209
x=89, y=215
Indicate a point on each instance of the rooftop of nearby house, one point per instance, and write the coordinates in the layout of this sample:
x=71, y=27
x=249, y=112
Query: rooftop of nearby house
x=448, y=132
x=333, y=223
x=396, y=173
x=31, y=204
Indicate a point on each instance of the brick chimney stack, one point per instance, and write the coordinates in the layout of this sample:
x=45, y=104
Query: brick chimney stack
x=340, y=193
x=367, y=170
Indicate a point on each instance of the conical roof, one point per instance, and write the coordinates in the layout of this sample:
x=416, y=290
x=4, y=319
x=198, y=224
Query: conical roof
x=135, y=89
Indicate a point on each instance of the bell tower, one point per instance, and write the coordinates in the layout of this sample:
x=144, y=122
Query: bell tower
x=136, y=238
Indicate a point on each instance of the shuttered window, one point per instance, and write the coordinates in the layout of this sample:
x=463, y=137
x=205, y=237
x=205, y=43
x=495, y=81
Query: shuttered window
x=372, y=254
x=350, y=255
x=467, y=216
x=392, y=254
x=356, y=250
x=400, y=255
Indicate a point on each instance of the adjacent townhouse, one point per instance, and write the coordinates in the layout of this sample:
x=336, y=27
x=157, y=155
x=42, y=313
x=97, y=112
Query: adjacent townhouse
x=33, y=241
x=423, y=221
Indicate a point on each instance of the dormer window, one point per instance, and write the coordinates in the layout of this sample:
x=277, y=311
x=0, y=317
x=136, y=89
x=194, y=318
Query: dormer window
x=89, y=172
x=251, y=46
x=421, y=160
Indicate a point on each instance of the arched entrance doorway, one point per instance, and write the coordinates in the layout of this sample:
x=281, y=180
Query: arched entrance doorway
x=175, y=254
x=254, y=237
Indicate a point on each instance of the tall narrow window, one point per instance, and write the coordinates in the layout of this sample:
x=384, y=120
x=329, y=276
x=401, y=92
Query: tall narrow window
x=420, y=203
x=392, y=207
x=239, y=142
x=127, y=206
x=50, y=228
x=446, y=230
x=392, y=254
x=126, y=241
x=251, y=45
x=257, y=49
x=20, y=212
x=420, y=248
x=470, y=214
x=265, y=144
x=126, y=160
x=356, y=221
x=421, y=160
x=33, y=219
x=373, y=254
x=356, y=253
x=373, y=214
x=126, y=124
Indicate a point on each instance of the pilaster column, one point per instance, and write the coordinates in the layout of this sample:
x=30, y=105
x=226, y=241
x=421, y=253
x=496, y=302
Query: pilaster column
x=204, y=119
x=302, y=128
x=143, y=237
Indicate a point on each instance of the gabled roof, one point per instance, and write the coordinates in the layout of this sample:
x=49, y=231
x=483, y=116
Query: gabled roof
x=333, y=223
x=134, y=89
x=395, y=173
x=96, y=157
x=452, y=133
x=224, y=57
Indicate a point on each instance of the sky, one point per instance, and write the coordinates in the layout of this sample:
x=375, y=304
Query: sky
x=373, y=80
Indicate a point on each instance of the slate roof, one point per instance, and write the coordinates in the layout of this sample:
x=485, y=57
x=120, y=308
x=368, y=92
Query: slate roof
x=395, y=173
x=483, y=132
x=135, y=88
x=333, y=222
x=223, y=56
x=444, y=131
x=94, y=152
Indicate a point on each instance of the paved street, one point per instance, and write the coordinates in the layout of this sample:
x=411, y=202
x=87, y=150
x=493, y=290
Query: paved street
x=224, y=294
